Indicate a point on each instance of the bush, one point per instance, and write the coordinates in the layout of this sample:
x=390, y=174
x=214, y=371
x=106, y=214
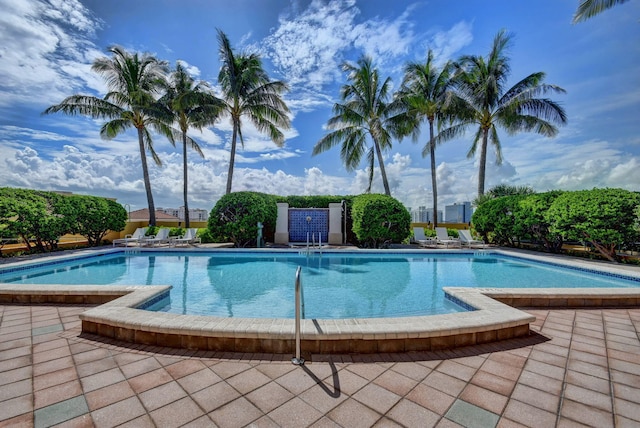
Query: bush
x=235, y=217
x=379, y=220
x=93, y=217
x=531, y=216
x=603, y=218
x=496, y=221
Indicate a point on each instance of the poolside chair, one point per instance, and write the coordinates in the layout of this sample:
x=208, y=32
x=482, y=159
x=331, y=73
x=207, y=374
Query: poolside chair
x=162, y=237
x=467, y=239
x=421, y=239
x=443, y=238
x=189, y=237
x=135, y=237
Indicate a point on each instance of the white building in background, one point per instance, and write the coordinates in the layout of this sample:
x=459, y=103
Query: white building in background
x=458, y=213
x=195, y=214
x=424, y=215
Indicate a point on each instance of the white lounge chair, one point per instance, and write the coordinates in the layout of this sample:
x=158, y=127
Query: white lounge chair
x=467, y=239
x=443, y=238
x=189, y=237
x=421, y=239
x=135, y=237
x=162, y=237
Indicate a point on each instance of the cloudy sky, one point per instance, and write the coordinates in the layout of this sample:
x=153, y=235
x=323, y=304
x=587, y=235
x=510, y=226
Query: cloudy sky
x=47, y=48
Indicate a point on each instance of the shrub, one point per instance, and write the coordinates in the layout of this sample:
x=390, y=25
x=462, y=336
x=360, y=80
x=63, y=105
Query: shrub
x=379, y=220
x=530, y=215
x=496, y=221
x=93, y=217
x=603, y=218
x=235, y=217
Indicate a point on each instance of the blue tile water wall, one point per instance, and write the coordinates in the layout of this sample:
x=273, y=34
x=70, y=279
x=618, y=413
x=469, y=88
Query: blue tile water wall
x=308, y=221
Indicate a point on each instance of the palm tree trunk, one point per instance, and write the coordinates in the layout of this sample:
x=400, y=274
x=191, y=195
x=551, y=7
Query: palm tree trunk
x=434, y=186
x=385, y=182
x=184, y=184
x=483, y=162
x=147, y=181
x=232, y=157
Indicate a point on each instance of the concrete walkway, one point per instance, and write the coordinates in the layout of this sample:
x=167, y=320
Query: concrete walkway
x=581, y=368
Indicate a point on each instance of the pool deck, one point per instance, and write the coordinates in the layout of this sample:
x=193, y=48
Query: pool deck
x=579, y=368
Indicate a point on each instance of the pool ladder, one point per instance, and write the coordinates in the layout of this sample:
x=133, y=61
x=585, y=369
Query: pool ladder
x=299, y=303
x=309, y=249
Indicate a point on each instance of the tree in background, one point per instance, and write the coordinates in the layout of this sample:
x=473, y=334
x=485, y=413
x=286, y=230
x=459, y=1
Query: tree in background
x=93, y=217
x=366, y=110
x=134, y=80
x=428, y=97
x=589, y=8
x=193, y=106
x=481, y=83
x=248, y=91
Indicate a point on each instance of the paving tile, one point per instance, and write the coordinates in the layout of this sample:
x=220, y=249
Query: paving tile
x=625, y=392
x=199, y=380
x=16, y=406
x=161, y=395
x=272, y=395
x=444, y=383
x=143, y=421
x=412, y=370
x=408, y=413
x=60, y=412
x=139, y=367
x=431, y=399
x=467, y=414
x=367, y=371
x=215, y=396
x=54, y=378
x=118, y=413
x=588, y=368
x=177, y=413
x=353, y=414
x=586, y=414
x=456, y=370
x=102, y=379
x=395, y=382
x=227, y=369
x=627, y=409
x=148, y=380
x=57, y=393
x=296, y=381
x=493, y=383
x=295, y=413
x=529, y=415
x=109, y=395
x=537, y=398
x=237, y=413
x=484, y=398
x=184, y=367
x=248, y=380
x=377, y=398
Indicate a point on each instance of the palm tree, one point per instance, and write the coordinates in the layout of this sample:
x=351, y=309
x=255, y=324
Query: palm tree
x=365, y=110
x=427, y=92
x=133, y=81
x=589, y=8
x=193, y=105
x=481, y=84
x=248, y=91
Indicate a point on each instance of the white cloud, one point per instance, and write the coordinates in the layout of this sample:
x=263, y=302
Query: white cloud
x=43, y=46
x=446, y=44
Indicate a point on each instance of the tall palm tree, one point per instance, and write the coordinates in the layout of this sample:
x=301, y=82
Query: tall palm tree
x=366, y=110
x=248, y=91
x=589, y=8
x=194, y=106
x=481, y=84
x=427, y=92
x=133, y=81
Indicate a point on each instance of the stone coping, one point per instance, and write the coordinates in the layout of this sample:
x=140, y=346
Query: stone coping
x=494, y=318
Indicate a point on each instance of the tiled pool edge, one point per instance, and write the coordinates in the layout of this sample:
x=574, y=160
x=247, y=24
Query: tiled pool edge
x=492, y=320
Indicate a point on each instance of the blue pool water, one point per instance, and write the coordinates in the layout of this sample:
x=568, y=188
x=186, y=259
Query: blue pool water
x=336, y=285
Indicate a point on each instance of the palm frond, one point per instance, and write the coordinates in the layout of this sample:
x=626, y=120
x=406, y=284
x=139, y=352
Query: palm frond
x=590, y=8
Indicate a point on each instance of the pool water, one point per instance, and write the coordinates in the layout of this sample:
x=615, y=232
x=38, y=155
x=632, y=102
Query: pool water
x=250, y=285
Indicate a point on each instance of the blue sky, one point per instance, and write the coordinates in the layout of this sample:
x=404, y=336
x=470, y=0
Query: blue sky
x=47, y=48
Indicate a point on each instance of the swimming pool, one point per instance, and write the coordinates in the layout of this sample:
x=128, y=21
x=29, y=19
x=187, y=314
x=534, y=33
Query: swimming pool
x=337, y=285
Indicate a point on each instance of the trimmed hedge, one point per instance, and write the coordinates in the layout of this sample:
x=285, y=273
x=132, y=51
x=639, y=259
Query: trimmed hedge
x=235, y=217
x=379, y=220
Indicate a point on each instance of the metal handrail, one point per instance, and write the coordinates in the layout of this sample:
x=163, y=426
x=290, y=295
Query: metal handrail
x=298, y=360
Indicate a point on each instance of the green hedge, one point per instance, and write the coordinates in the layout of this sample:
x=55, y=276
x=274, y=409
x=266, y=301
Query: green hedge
x=379, y=220
x=235, y=217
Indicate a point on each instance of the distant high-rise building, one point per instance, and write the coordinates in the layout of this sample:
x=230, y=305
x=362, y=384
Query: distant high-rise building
x=424, y=215
x=458, y=213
